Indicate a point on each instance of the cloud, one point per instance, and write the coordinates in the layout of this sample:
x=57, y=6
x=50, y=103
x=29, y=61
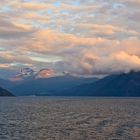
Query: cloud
x=9, y=30
x=4, y=65
x=45, y=73
x=82, y=37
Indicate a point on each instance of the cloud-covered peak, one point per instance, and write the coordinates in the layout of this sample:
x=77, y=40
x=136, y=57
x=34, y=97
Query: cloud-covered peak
x=23, y=74
x=29, y=73
x=45, y=73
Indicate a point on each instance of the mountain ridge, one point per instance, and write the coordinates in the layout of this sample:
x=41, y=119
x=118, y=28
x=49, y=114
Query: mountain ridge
x=48, y=86
x=116, y=85
x=121, y=85
x=4, y=92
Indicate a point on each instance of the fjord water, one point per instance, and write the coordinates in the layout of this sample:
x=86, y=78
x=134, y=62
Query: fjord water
x=69, y=118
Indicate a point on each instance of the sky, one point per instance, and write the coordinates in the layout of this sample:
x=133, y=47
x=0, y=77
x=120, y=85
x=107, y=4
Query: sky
x=82, y=37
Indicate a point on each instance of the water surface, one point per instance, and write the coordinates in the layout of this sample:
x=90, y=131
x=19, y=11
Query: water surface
x=61, y=118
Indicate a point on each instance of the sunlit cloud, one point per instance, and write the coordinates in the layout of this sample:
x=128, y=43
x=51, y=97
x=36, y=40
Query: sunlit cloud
x=4, y=65
x=82, y=37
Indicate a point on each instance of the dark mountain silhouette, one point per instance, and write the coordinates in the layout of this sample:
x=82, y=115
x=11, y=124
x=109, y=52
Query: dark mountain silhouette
x=122, y=85
x=4, y=92
x=48, y=86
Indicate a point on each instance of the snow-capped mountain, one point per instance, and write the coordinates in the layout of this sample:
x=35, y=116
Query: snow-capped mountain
x=29, y=73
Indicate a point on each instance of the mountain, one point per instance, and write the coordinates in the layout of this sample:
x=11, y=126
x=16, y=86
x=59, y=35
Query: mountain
x=5, y=83
x=28, y=73
x=4, y=92
x=117, y=85
x=121, y=85
x=48, y=86
x=45, y=73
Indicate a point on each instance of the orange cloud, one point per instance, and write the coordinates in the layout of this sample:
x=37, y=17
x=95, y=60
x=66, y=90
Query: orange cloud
x=45, y=73
x=4, y=65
